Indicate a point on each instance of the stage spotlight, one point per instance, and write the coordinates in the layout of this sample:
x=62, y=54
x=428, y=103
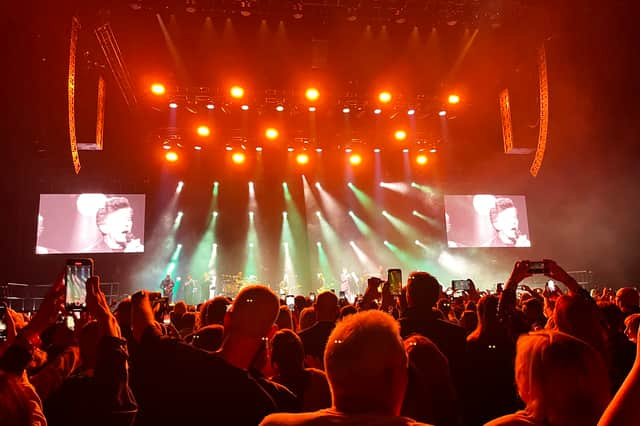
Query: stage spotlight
x=350, y=213
x=279, y=108
x=171, y=156
x=250, y=245
x=376, y=150
x=290, y=149
x=377, y=111
x=318, y=185
x=312, y=109
x=238, y=158
x=271, y=133
x=422, y=159
x=384, y=213
x=417, y=242
x=173, y=105
x=312, y=94
x=203, y=131
x=453, y=99
x=158, y=89
x=210, y=106
x=318, y=214
x=245, y=107
x=405, y=150
x=284, y=214
x=258, y=149
x=355, y=160
x=400, y=135
x=346, y=110
x=442, y=113
x=166, y=147
x=411, y=112
x=385, y=242
x=348, y=150
x=284, y=185
x=215, y=214
x=384, y=97
x=237, y=92
x=319, y=244
x=302, y=159
x=433, y=150
x=250, y=215
x=318, y=149
x=197, y=147
x=228, y=148
x=351, y=243
x=179, y=187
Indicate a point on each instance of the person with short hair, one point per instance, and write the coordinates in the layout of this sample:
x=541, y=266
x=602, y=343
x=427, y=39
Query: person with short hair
x=310, y=385
x=315, y=337
x=115, y=222
x=506, y=225
x=423, y=291
x=628, y=300
x=177, y=382
x=366, y=365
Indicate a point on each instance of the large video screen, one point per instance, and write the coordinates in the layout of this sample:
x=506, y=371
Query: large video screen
x=90, y=223
x=486, y=221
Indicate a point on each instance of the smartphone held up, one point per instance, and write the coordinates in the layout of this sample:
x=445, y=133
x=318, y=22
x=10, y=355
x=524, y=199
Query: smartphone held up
x=77, y=272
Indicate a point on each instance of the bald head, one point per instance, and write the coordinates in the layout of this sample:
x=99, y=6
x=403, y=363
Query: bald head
x=366, y=364
x=327, y=306
x=423, y=290
x=254, y=311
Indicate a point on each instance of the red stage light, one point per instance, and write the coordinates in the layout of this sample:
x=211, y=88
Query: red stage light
x=271, y=133
x=312, y=94
x=400, y=135
x=384, y=97
x=454, y=99
x=421, y=160
x=203, y=131
x=236, y=92
x=238, y=158
x=355, y=159
x=158, y=89
x=171, y=156
x=302, y=159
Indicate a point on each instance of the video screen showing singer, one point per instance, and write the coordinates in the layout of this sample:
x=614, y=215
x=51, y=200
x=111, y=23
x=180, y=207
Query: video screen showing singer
x=115, y=222
x=504, y=219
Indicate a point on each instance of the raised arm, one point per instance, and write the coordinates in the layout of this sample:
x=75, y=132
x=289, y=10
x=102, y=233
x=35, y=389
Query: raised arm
x=624, y=409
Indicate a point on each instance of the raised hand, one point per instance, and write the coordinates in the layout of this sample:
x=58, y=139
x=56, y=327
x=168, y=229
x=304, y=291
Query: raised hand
x=99, y=308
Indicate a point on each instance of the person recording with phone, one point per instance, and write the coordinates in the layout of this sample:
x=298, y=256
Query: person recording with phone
x=506, y=225
x=115, y=223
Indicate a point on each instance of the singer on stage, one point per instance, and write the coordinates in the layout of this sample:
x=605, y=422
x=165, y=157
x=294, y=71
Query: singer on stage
x=115, y=222
x=504, y=219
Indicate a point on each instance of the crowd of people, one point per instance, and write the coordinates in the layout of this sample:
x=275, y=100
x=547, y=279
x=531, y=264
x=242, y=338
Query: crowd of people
x=519, y=356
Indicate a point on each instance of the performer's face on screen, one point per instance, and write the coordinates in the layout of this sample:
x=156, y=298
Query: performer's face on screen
x=117, y=226
x=506, y=223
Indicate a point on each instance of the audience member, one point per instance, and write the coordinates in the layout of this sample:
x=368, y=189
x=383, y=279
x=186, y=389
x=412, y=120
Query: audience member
x=214, y=310
x=203, y=386
x=367, y=383
x=208, y=338
x=315, y=337
x=430, y=397
x=309, y=384
x=423, y=291
x=307, y=318
x=562, y=380
x=491, y=355
x=628, y=300
x=285, y=319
